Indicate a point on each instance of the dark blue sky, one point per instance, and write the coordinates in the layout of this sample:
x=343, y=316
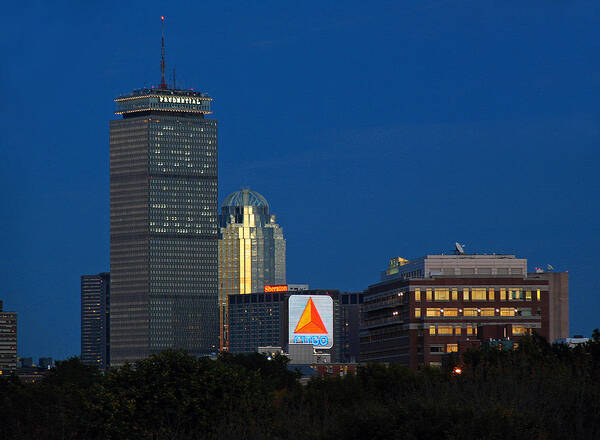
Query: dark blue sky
x=374, y=129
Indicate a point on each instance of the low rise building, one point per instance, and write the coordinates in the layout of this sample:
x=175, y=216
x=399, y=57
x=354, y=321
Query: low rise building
x=573, y=342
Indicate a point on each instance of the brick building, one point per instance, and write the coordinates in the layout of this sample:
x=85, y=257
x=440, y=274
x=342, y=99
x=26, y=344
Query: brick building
x=415, y=316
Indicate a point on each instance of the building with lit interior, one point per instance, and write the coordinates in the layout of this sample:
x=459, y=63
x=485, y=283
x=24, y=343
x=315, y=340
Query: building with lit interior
x=163, y=224
x=251, y=250
x=262, y=319
x=8, y=341
x=440, y=304
x=95, y=322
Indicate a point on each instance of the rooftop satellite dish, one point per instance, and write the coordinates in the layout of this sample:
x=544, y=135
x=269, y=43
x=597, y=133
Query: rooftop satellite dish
x=459, y=248
x=549, y=268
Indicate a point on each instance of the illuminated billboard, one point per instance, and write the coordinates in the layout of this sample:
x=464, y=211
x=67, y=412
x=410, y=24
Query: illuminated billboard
x=276, y=288
x=310, y=320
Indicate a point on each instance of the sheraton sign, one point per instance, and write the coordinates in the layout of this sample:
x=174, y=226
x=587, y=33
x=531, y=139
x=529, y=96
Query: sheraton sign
x=276, y=288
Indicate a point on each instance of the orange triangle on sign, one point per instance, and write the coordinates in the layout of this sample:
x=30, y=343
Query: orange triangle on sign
x=310, y=321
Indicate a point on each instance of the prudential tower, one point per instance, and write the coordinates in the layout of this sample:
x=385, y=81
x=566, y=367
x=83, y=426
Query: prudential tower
x=163, y=224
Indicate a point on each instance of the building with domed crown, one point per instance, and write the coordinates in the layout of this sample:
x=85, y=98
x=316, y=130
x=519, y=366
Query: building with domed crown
x=251, y=249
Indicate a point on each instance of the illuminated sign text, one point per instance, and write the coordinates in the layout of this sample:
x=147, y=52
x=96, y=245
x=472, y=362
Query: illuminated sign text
x=276, y=288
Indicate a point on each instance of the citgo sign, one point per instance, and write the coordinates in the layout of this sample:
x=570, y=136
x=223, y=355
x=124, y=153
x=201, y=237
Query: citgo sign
x=310, y=320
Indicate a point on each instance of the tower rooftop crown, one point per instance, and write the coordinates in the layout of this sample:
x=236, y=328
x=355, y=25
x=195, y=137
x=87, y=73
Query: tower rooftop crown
x=166, y=100
x=245, y=197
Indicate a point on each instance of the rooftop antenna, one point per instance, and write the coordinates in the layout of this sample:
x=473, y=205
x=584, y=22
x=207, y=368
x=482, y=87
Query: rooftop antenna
x=174, y=84
x=459, y=250
x=163, y=84
x=549, y=268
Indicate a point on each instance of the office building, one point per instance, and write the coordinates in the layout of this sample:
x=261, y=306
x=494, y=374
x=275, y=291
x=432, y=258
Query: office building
x=262, y=320
x=558, y=285
x=255, y=321
x=444, y=303
x=251, y=250
x=350, y=304
x=8, y=341
x=163, y=224
x=95, y=320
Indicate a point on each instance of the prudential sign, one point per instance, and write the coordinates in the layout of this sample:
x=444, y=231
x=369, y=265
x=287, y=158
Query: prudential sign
x=311, y=320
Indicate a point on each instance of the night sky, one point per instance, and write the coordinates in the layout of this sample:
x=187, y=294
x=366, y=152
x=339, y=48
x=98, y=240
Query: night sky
x=374, y=130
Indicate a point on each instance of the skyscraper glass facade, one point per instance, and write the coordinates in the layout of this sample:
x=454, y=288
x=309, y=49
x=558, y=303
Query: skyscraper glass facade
x=251, y=249
x=163, y=225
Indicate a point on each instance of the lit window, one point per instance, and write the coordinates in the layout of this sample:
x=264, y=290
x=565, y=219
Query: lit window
x=454, y=294
x=445, y=330
x=488, y=311
x=507, y=311
x=518, y=330
x=433, y=311
x=428, y=295
x=528, y=295
x=450, y=312
x=457, y=330
x=538, y=294
x=470, y=311
x=442, y=294
x=491, y=294
x=502, y=294
x=478, y=295
x=451, y=348
x=432, y=329
x=470, y=330
x=417, y=294
x=515, y=294
x=466, y=294
x=417, y=313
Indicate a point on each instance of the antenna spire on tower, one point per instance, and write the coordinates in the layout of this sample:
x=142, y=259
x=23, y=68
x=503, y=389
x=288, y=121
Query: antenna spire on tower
x=163, y=84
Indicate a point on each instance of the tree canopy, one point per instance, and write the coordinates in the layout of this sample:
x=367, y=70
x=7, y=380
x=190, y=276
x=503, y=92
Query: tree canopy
x=538, y=391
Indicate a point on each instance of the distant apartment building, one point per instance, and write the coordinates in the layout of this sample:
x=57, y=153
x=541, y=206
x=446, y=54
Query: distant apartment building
x=95, y=320
x=440, y=304
x=45, y=363
x=8, y=341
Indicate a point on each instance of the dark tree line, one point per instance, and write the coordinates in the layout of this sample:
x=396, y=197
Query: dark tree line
x=539, y=391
